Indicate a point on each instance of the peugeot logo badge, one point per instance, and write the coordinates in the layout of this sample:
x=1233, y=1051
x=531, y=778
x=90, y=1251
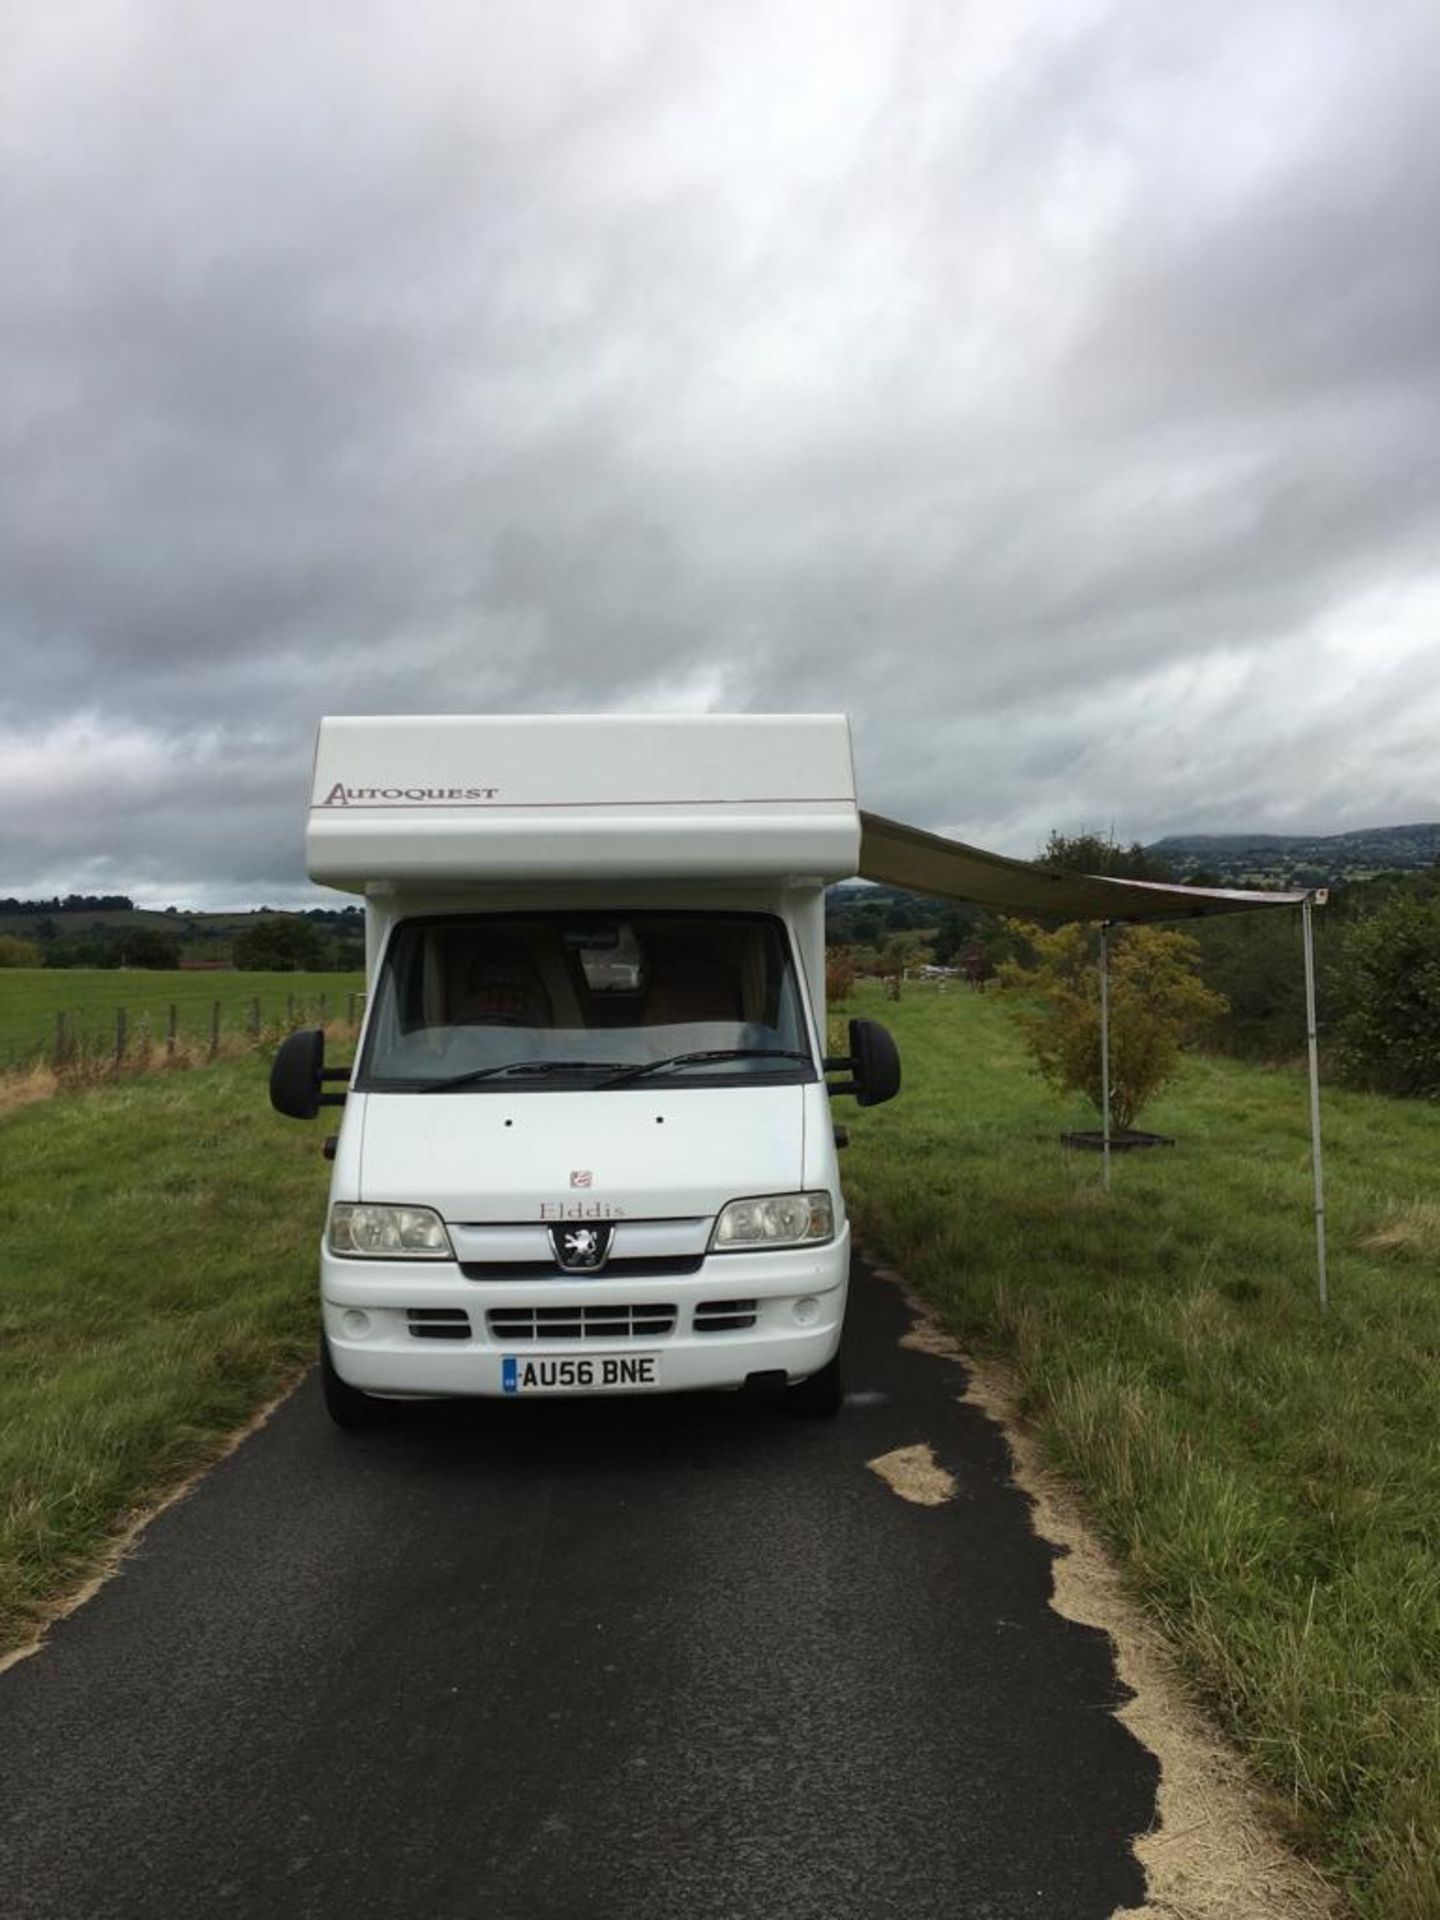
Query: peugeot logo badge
x=581, y=1249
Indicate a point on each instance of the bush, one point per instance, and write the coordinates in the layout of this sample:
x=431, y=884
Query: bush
x=144, y=948
x=15, y=952
x=278, y=946
x=839, y=976
x=1256, y=960
x=1388, y=989
x=977, y=965
x=1157, y=1003
x=900, y=952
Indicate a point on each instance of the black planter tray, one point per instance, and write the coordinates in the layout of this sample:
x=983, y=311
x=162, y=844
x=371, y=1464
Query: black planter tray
x=1093, y=1141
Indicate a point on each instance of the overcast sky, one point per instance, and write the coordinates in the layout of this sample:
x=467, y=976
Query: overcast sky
x=1056, y=388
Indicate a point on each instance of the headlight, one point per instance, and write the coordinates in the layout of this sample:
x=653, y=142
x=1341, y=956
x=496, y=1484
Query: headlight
x=773, y=1220
x=388, y=1233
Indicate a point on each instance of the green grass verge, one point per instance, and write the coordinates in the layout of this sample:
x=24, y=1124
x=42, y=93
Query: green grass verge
x=1269, y=1479
x=31, y=997
x=158, y=1285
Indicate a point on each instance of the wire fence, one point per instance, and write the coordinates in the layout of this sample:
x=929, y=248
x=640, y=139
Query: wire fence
x=126, y=1037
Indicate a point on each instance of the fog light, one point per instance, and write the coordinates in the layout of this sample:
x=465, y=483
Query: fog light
x=355, y=1323
x=807, y=1310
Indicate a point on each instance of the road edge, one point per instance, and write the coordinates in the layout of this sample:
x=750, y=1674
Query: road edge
x=1212, y=1853
x=119, y=1548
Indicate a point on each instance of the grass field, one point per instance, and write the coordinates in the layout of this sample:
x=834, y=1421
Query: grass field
x=1269, y=1479
x=157, y=1287
x=31, y=997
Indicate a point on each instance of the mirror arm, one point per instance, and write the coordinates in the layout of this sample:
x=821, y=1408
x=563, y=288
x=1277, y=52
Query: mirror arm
x=329, y=1099
x=335, y=1073
x=842, y=1063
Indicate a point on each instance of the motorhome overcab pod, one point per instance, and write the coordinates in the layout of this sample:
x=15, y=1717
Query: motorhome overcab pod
x=586, y=1146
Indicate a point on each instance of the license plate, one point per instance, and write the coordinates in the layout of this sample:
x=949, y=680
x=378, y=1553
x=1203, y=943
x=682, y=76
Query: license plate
x=597, y=1373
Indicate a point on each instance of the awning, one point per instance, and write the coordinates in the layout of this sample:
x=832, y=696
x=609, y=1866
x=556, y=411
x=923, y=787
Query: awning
x=901, y=856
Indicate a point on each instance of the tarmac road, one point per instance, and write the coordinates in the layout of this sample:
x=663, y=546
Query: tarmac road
x=649, y=1660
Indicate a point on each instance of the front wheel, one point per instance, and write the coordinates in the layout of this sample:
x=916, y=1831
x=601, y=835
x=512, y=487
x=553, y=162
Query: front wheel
x=819, y=1397
x=347, y=1406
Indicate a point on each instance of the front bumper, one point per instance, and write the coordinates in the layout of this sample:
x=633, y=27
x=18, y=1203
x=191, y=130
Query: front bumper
x=386, y=1355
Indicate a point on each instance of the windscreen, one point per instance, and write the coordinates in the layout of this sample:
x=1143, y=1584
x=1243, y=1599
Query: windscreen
x=547, y=1000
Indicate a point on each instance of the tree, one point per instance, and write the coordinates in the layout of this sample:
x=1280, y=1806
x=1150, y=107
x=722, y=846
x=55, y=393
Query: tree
x=1100, y=853
x=1158, y=1003
x=85, y=952
x=1388, y=987
x=900, y=952
x=144, y=948
x=280, y=946
x=1255, y=961
x=955, y=932
x=15, y=952
x=868, y=926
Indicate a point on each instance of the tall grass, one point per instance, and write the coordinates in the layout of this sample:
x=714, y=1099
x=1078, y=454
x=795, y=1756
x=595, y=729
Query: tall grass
x=157, y=1287
x=1269, y=1477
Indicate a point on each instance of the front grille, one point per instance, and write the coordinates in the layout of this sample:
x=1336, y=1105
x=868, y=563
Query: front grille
x=724, y=1316
x=660, y=1266
x=438, y=1323
x=645, y=1322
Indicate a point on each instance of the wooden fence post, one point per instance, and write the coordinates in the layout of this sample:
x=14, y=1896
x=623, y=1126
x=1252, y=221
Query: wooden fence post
x=172, y=1031
x=121, y=1027
x=323, y=1015
x=255, y=1018
x=214, y=1028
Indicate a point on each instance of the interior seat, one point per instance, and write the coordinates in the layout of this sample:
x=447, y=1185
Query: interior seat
x=502, y=988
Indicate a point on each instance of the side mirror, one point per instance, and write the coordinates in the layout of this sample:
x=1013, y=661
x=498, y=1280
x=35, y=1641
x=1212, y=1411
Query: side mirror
x=874, y=1062
x=298, y=1074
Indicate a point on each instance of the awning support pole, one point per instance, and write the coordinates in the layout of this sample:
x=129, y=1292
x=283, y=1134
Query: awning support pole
x=1105, y=1047
x=1314, y=1047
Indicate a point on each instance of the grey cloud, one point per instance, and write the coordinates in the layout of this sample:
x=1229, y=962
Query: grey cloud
x=1041, y=390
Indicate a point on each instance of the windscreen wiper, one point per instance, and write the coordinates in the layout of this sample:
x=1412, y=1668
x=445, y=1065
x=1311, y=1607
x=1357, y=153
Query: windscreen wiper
x=695, y=1059
x=532, y=1069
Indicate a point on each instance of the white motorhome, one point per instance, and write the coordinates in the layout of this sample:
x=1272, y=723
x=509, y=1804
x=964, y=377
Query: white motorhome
x=586, y=1144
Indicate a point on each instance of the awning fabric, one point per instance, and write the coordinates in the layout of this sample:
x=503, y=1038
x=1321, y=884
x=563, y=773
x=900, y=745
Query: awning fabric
x=900, y=856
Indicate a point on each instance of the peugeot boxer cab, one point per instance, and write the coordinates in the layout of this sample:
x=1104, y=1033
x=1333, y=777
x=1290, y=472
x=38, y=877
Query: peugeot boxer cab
x=586, y=1144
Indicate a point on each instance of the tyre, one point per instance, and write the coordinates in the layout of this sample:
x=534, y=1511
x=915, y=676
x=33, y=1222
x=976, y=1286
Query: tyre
x=819, y=1397
x=347, y=1406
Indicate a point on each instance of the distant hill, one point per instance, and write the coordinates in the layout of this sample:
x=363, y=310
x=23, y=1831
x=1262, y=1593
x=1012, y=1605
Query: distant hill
x=1296, y=859
x=98, y=930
